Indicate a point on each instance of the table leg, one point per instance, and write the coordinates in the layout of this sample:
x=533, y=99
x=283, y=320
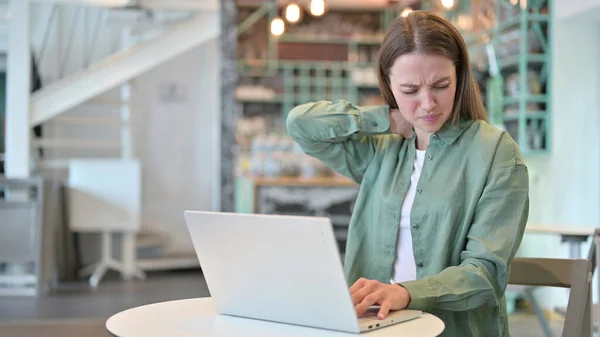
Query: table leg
x=574, y=250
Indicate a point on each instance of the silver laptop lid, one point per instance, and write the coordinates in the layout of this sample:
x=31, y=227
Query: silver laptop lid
x=278, y=268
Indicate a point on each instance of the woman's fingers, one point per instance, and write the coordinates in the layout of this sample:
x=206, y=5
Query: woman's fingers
x=384, y=308
x=369, y=300
x=361, y=293
x=362, y=288
x=358, y=285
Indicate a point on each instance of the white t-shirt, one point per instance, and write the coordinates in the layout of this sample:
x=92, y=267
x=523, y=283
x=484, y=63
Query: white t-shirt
x=404, y=264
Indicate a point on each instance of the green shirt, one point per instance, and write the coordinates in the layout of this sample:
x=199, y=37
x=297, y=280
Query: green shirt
x=468, y=216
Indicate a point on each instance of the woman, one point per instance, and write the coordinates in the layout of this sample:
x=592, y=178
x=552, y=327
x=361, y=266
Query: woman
x=443, y=200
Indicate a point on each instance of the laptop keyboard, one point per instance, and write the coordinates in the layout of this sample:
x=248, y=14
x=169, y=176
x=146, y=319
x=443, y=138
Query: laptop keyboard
x=371, y=313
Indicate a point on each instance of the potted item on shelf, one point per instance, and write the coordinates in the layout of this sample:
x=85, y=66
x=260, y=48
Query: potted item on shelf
x=256, y=166
x=272, y=166
x=254, y=93
x=512, y=84
x=309, y=168
x=289, y=166
x=510, y=43
x=364, y=76
x=535, y=135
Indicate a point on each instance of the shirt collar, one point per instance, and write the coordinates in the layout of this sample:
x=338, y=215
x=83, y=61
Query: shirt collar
x=449, y=132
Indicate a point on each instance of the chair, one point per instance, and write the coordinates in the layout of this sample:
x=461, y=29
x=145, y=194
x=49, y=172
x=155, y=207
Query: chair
x=27, y=226
x=575, y=274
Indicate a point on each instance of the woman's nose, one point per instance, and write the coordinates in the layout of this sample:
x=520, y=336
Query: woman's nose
x=428, y=102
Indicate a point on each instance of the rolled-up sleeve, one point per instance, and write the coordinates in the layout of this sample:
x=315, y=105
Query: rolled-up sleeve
x=340, y=134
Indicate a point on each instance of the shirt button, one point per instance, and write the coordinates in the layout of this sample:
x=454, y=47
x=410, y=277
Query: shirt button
x=375, y=124
x=420, y=265
x=435, y=136
x=429, y=157
x=415, y=226
x=419, y=191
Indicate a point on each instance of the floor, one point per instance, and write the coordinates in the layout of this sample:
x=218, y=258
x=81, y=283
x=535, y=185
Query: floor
x=76, y=310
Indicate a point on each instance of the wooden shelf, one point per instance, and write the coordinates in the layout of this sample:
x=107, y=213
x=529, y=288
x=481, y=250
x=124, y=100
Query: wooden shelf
x=298, y=181
x=528, y=116
x=512, y=62
x=510, y=100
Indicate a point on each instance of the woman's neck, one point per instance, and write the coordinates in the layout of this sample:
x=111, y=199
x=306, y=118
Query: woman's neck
x=422, y=139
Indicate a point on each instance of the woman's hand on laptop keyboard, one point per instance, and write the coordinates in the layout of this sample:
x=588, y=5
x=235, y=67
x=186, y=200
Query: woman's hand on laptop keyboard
x=366, y=293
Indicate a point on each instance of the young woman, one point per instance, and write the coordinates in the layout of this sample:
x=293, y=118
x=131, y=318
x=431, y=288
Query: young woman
x=444, y=196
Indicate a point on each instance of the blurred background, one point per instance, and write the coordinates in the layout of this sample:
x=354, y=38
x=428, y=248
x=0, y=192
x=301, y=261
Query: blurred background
x=118, y=115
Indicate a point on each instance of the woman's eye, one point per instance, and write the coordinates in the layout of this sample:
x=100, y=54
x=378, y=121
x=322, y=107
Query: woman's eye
x=443, y=87
x=412, y=92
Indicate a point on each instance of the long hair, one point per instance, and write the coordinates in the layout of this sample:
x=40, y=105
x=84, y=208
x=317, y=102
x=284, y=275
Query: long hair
x=426, y=32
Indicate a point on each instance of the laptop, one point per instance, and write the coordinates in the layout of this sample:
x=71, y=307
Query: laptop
x=284, y=269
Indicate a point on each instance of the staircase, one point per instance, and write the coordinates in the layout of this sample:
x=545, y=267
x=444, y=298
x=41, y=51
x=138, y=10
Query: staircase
x=121, y=67
x=98, y=128
x=87, y=112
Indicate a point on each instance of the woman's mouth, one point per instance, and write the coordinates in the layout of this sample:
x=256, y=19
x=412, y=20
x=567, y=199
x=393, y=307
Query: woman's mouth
x=430, y=118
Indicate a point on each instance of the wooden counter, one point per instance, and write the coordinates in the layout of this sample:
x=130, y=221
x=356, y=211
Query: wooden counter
x=321, y=196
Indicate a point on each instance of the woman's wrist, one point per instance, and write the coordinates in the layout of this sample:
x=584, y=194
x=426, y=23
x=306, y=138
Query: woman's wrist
x=404, y=293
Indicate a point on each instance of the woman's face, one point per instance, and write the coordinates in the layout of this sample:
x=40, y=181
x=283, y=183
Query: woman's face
x=424, y=87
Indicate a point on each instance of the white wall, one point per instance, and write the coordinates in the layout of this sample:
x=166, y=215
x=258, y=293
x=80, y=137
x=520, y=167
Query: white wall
x=178, y=141
x=176, y=138
x=566, y=9
x=566, y=185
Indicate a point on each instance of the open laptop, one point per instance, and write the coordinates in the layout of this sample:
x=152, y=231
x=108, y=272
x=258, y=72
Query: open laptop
x=284, y=269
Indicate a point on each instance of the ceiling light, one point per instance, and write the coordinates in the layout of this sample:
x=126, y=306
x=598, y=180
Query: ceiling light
x=277, y=26
x=317, y=7
x=448, y=4
x=406, y=11
x=293, y=13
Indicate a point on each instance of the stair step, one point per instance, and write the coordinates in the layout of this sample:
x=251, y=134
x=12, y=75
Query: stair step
x=77, y=144
x=95, y=121
x=62, y=164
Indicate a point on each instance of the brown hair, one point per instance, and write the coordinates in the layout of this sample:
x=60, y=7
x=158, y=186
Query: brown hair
x=426, y=32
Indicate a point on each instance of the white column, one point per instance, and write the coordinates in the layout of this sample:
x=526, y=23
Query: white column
x=18, y=86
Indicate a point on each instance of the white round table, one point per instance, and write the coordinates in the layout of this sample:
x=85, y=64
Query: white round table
x=199, y=318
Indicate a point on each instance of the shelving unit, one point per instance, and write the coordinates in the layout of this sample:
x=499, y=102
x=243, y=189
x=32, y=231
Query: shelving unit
x=525, y=72
x=301, y=78
x=520, y=33
x=294, y=82
x=309, y=61
x=330, y=58
x=519, y=94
